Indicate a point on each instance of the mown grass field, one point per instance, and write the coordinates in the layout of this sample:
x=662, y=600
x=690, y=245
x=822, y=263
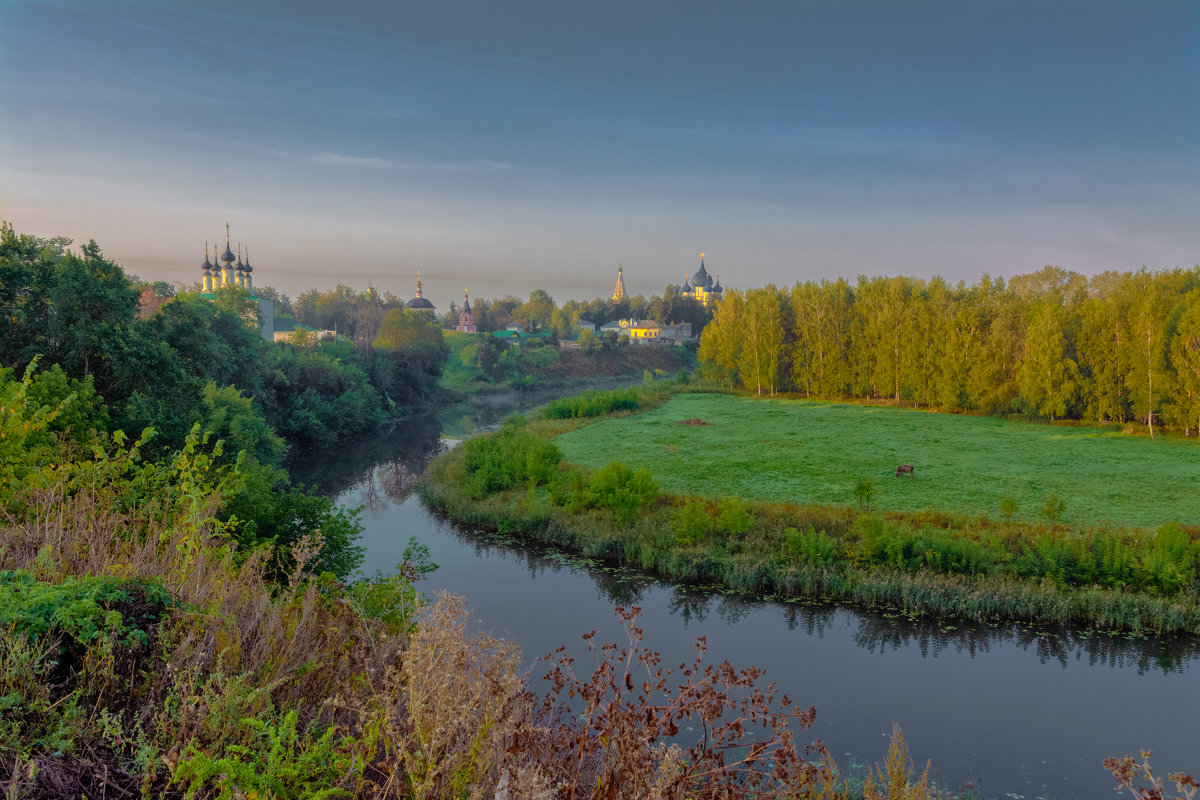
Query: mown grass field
x=813, y=452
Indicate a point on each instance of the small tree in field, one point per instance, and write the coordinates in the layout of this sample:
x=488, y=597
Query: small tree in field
x=1053, y=509
x=864, y=490
x=1008, y=509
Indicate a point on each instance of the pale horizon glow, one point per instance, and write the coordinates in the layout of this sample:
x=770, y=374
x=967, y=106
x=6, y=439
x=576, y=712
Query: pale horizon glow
x=507, y=147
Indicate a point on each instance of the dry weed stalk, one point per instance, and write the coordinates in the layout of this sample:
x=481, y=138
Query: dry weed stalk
x=449, y=702
x=1126, y=772
x=614, y=734
x=895, y=775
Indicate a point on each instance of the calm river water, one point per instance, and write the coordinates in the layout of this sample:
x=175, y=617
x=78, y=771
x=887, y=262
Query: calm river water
x=1011, y=711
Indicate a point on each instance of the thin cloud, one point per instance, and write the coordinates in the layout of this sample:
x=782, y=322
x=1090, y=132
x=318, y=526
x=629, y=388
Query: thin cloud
x=330, y=159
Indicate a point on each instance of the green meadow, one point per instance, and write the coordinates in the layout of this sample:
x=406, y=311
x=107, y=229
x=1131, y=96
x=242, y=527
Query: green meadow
x=804, y=452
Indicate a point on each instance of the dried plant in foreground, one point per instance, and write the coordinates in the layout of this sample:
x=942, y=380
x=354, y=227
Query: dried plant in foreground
x=634, y=729
x=894, y=776
x=1126, y=771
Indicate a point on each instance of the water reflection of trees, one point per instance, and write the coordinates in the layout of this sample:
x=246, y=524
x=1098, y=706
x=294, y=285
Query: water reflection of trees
x=882, y=631
x=873, y=630
x=382, y=468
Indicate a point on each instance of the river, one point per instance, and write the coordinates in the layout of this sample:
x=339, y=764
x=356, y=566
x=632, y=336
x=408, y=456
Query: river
x=1006, y=711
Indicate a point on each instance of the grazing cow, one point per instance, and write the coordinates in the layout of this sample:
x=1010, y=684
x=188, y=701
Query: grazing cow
x=906, y=468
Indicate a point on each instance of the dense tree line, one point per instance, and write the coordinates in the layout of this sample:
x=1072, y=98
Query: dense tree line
x=183, y=360
x=1120, y=347
x=540, y=314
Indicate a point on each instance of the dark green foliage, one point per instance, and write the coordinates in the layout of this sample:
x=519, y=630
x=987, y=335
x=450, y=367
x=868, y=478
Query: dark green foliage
x=394, y=599
x=268, y=510
x=618, y=488
x=698, y=520
x=82, y=418
x=691, y=522
x=80, y=609
x=810, y=547
x=592, y=404
x=507, y=460
x=228, y=415
x=280, y=762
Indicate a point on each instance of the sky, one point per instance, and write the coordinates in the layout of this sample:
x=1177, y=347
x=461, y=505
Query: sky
x=505, y=146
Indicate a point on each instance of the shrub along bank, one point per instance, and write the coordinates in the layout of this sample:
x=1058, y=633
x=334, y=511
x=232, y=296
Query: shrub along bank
x=515, y=480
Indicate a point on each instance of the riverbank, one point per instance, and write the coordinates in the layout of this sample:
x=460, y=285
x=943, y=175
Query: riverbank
x=942, y=564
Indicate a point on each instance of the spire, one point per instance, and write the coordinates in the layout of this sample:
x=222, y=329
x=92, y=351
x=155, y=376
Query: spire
x=227, y=256
x=247, y=264
x=418, y=283
x=619, y=292
x=240, y=266
x=466, y=308
x=206, y=265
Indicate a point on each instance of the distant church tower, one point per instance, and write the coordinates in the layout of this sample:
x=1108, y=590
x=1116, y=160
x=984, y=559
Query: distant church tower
x=206, y=282
x=619, y=292
x=466, y=322
x=702, y=287
x=420, y=303
x=227, y=258
x=247, y=281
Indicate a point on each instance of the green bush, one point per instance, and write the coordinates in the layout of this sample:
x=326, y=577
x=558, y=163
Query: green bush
x=592, y=404
x=622, y=490
x=809, y=547
x=81, y=609
x=691, y=522
x=734, y=517
x=280, y=762
x=508, y=459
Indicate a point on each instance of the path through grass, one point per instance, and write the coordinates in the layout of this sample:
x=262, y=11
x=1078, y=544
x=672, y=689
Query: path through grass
x=811, y=452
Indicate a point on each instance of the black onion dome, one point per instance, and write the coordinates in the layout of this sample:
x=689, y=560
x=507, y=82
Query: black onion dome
x=717, y=286
x=419, y=303
x=247, y=266
x=702, y=280
x=227, y=256
x=686, y=288
x=206, y=266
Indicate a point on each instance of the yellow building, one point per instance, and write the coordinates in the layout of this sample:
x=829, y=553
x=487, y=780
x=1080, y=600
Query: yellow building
x=634, y=329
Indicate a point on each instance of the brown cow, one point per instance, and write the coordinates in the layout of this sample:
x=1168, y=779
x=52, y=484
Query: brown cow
x=906, y=468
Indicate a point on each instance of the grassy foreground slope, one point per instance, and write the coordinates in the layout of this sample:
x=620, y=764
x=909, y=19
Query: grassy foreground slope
x=812, y=452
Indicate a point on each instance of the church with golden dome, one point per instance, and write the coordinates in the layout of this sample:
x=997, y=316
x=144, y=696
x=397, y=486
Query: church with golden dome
x=228, y=273
x=232, y=271
x=702, y=287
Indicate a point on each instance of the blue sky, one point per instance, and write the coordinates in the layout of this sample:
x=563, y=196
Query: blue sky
x=504, y=146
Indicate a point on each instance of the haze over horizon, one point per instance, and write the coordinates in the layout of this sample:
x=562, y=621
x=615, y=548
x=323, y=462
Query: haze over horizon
x=510, y=146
